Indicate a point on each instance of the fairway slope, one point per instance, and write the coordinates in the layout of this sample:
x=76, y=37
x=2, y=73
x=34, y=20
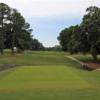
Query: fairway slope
x=47, y=76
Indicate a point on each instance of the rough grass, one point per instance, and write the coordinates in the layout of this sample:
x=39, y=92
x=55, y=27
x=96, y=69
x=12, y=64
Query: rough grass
x=49, y=76
x=33, y=58
x=86, y=57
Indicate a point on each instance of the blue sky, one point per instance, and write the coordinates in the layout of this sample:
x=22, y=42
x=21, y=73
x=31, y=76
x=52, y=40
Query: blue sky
x=48, y=17
x=47, y=29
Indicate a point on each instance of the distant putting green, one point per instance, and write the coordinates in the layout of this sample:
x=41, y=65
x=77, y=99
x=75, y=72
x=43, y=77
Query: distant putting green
x=51, y=76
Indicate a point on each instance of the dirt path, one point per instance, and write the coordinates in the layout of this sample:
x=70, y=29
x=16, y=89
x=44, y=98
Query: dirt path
x=86, y=65
x=72, y=58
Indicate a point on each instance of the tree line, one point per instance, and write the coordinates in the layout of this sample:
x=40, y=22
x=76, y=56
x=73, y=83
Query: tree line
x=15, y=31
x=85, y=37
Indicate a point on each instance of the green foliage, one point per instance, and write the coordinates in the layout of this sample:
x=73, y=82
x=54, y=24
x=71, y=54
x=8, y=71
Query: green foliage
x=54, y=48
x=90, y=26
x=74, y=42
x=36, y=45
x=15, y=31
x=19, y=31
x=85, y=37
x=70, y=39
x=64, y=39
x=4, y=10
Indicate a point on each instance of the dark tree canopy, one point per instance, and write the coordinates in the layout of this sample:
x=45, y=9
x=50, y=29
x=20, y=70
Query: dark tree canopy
x=64, y=39
x=69, y=39
x=91, y=29
x=15, y=31
x=84, y=37
x=4, y=11
x=36, y=45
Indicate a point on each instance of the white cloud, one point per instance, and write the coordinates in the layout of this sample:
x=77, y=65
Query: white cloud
x=41, y=8
x=48, y=17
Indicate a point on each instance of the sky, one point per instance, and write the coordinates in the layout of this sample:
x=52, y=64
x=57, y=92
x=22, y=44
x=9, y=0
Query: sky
x=48, y=17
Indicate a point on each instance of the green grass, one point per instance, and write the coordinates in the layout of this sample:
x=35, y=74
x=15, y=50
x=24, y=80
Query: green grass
x=34, y=58
x=86, y=57
x=42, y=77
x=47, y=76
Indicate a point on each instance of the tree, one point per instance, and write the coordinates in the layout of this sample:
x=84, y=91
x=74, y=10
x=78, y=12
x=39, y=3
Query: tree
x=84, y=38
x=91, y=30
x=64, y=39
x=69, y=39
x=18, y=30
x=36, y=45
x=54, y=48
x=15, y=31
x=4, y=10
x=74, y=42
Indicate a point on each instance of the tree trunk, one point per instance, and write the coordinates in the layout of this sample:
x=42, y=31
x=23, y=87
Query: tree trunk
x=12, y=43
x=1, y=51
x=94, y=57
x=12, y=50
x=2, y=36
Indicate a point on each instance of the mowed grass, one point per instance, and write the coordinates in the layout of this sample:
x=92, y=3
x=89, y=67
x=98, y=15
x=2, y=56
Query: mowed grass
x=49, y=76
x=45, y=77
